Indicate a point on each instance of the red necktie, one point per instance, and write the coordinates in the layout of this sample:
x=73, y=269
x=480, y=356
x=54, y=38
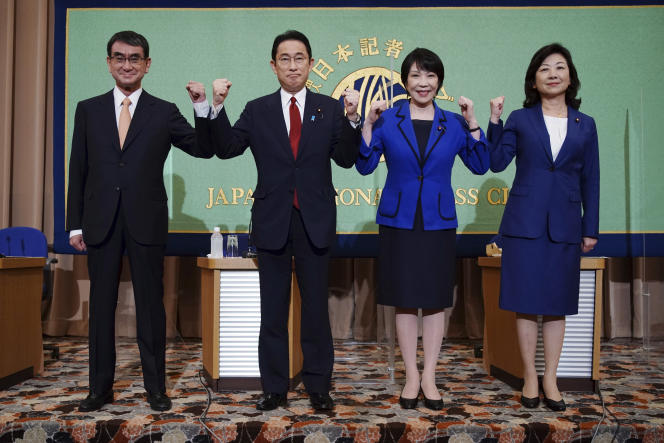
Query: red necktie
x=294, y=136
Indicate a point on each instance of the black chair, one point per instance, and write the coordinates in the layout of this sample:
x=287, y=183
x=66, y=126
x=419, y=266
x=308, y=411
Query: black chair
x=20, y=241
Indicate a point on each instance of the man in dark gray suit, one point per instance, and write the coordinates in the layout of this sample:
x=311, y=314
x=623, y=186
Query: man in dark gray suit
x=117, y=201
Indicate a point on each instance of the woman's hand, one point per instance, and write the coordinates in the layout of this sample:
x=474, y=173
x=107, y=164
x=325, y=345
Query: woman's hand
x=587, y=244
x=468, y=111
x=376, y=109
x=496, y=108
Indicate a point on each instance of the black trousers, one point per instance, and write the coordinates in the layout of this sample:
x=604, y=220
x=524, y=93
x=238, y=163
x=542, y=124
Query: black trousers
x=311, y=269
x=147, y=271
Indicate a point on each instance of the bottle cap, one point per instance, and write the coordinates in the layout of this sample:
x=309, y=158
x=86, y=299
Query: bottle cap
x=217, y=229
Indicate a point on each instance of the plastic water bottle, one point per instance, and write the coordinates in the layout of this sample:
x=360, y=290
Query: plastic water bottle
x=216, y=244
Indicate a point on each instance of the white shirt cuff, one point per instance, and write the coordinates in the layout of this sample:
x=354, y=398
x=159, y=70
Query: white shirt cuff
x=215, y=111
x=201, y=109
x=74, y=232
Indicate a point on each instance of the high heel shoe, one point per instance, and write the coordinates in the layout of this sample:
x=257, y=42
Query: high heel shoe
x=529, y=402
x=434, y=405
x=408, y=403
x=557, y=406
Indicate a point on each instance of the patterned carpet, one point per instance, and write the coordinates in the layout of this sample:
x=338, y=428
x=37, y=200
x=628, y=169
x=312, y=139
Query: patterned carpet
x=478, y=408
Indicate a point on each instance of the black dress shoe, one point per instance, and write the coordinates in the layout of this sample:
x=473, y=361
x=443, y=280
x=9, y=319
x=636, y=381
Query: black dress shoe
x=271, y=401
x=321, y=402
x=529, y=402
x=159, y=401
x=408, y=403
x=557, y=406
x=93, y=401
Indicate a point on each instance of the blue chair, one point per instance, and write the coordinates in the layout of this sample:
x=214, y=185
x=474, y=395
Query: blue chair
x=20, y=241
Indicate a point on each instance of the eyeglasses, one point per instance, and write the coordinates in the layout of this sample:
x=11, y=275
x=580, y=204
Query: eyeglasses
x=285, y=60
x=134, y=60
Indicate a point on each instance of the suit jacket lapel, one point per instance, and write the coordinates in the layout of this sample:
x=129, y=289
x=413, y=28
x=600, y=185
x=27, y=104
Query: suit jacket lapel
x=107, y=114
x=311, y=109
x=139, y=120
x=437, y=131
x=573, y=120
x=537, y=120
x=276, y=123
x=405, y=126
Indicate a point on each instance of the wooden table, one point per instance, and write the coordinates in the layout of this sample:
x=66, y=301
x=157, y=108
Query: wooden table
x=230, y=316
x=21, y=355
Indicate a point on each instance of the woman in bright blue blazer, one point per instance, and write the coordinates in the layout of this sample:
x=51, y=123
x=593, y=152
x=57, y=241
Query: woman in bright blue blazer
x=416, y=215
x=552, y=213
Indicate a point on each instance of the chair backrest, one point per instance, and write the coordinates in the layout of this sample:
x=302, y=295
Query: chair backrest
x=20, y=241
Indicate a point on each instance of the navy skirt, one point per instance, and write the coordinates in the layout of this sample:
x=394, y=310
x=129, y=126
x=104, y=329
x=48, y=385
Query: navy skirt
x=540, y=276
x=416, y=268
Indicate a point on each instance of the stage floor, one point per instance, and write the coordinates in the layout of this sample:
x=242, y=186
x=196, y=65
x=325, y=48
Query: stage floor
x=478, y=408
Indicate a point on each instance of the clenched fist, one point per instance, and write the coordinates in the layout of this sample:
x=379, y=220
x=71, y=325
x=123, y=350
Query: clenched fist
x=220, y=88
x=468, y=111
x=351, y=100
x=196, y=91
x=376, y=109
x=496, y=108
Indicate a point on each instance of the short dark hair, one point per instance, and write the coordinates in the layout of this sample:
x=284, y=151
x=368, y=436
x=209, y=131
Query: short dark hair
x=132, y=39
x=424, y=59
x=532, y=95
x=290, y=35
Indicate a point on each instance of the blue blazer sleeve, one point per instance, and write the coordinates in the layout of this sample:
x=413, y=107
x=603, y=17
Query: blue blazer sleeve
x=475, y=155
x=502, y=143
x=369, y=155
x=590, y=186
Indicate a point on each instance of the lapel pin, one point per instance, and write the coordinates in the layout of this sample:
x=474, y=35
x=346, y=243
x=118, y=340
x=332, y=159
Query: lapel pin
x=440, y=128
x=577, y=120
x=313, y=117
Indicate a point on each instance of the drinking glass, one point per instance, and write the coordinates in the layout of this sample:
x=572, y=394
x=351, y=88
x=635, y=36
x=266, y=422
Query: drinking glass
x=231, y=245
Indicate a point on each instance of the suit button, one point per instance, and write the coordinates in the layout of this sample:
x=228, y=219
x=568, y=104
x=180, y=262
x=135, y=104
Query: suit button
x=122, y=164
x=552, y=168
x=419, y=178
x=117, y=188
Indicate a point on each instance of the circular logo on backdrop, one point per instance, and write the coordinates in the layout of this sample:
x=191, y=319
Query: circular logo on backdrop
x=377, y=83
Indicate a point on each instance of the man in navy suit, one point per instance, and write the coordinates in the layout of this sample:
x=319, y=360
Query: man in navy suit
x=117, y=201
x=293, y=133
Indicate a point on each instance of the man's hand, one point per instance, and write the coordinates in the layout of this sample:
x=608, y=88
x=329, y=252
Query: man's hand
x=496, y=105
x=351, y=100
x=220, y=88
x=196, y=91
x=77, y=243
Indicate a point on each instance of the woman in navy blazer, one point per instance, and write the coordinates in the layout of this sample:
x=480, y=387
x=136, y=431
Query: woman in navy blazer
x=416, y=215
x=552, y=214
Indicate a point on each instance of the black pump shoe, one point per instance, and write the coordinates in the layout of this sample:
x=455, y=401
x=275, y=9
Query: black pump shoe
x=408, y=403
x=434, y=405
x=529, y=402
x=557, y=406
